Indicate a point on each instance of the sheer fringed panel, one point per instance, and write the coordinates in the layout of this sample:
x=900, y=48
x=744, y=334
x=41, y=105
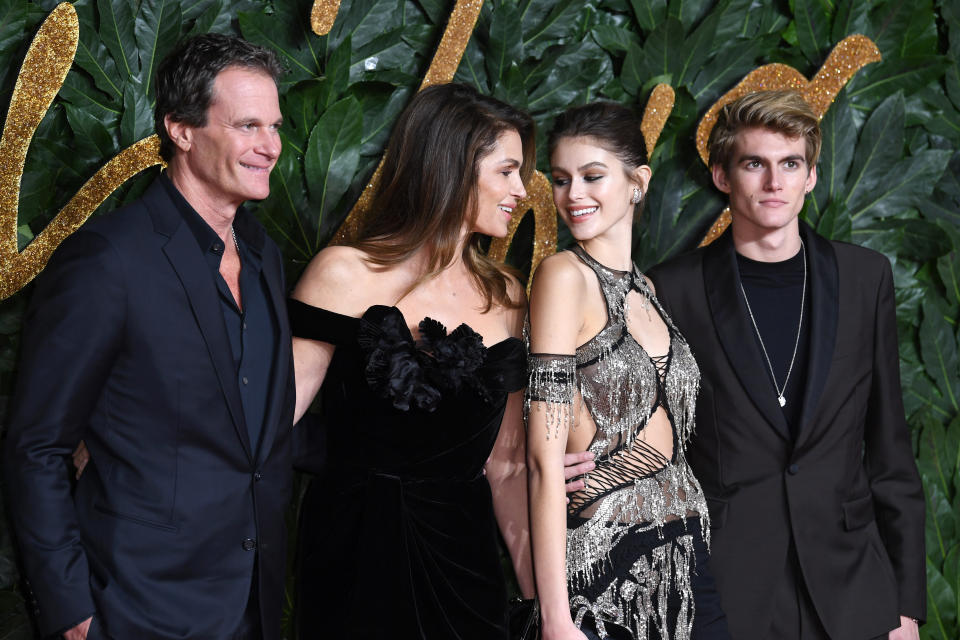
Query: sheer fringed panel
x=552, y=389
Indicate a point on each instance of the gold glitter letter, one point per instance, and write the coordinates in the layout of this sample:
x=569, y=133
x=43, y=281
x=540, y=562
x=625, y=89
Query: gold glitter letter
x=44, y=68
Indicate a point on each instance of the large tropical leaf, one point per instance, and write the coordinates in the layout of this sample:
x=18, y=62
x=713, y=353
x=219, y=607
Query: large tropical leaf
x=903, y=29
x=728, y=64
x=287, y=31
x=363, y=20
x=613, y=38
x=332, y=155
x=117, y=30
x=941, y=604
x=660, y=56
x=92, y=138
x=137, y=120
x=558, y=26
x=13, y=23
x=649, y=13
x=688, y=12
x=381, y=106
x=812, y=25
x=387, y=52
x=836, y=156
x=948, y=267
x=851, y=17
x=575, y=72
x=874, y=155
x=472, y=69
x=938, y=346
x=745, y=19
x=93, y=57
x=698, y=47
x=157, y=29
x=908, y=74
x=894, y=193
x=505, y=45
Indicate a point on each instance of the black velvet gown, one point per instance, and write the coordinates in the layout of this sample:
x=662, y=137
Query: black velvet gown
x=398, y=537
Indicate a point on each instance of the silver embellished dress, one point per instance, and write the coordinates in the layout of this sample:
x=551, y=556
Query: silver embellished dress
x=632, y=533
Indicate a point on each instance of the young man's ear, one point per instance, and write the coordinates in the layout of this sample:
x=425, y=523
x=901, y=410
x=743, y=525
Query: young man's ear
x=720, y=178
x=180, y=132
x=811, y=179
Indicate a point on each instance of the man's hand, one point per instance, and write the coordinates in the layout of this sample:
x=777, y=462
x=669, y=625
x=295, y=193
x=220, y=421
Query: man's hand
x=79, y=632
x=908, y=630
x=576, y=464
x=80, y=457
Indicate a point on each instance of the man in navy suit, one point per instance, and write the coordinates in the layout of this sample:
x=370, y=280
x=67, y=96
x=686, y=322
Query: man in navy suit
x=158, y=335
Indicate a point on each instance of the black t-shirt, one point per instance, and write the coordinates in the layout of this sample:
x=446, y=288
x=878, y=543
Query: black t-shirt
x=774, y=291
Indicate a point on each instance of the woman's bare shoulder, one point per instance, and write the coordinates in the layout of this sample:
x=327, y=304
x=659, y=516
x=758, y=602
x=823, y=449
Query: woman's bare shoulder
x=559, y=273
x=338, y=279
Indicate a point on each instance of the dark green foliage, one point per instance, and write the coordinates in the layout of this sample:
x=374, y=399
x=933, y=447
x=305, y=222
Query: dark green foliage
x=889, y=175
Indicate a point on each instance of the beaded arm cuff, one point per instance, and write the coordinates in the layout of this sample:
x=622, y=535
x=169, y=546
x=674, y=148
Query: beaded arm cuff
x=552, y=384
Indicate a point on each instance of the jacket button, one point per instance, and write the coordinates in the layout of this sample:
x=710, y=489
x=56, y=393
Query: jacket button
x=256, y=476
x=249, y=544
x=793, y=469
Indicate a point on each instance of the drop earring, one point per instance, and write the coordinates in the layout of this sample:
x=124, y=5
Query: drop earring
x=637, y=196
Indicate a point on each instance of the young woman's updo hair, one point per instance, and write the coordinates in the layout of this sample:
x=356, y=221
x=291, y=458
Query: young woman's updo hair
x=612, y=126
x=428, y=183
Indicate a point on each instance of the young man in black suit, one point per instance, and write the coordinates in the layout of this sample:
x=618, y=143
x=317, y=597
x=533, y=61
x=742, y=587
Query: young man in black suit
x=801, y=444
x=158, y=335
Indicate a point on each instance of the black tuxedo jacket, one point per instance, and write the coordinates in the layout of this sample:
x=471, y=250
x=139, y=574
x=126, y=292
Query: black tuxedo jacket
x=124, y=346
x=846, y=491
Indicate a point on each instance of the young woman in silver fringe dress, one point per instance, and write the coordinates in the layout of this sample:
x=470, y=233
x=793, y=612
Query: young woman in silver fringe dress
x=609, y=373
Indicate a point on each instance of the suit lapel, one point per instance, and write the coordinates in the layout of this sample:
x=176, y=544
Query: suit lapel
x=735, y=331
x=825, y=307
x=184, y=255
x=274, y=279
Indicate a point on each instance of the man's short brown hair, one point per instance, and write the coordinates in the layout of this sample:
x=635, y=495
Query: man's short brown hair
x=784, y=112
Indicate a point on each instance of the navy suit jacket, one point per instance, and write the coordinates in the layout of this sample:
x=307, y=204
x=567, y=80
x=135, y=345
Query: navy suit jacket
x=124, y=346
x=846, y=490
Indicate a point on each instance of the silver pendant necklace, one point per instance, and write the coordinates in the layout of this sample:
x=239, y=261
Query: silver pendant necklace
x=796, y=344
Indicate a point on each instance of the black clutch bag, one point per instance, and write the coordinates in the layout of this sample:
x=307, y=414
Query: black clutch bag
x=524, y=619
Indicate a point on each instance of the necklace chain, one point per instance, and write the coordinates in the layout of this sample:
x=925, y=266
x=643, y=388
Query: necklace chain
x=796, y=344
x=233, y=234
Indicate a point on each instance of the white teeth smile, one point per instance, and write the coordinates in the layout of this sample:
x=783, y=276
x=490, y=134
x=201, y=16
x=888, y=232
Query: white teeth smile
x=582, y=212
x=505, y=209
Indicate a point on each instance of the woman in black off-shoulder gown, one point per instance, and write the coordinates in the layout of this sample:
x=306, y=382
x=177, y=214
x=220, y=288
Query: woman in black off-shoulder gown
x=414, y=336
x=401, y=528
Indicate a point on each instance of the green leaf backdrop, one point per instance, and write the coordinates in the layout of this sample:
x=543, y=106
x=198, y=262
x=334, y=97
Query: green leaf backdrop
x=889, y=174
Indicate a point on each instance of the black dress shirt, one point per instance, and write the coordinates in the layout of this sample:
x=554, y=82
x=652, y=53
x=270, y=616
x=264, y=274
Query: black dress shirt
x=252, y=330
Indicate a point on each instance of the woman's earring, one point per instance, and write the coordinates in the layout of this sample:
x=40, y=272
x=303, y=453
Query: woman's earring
x=637, y=196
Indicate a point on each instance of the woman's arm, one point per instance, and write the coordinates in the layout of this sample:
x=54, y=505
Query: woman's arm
x=333, y=281
x=556, y=304
x=310, y=361
x=507, y=475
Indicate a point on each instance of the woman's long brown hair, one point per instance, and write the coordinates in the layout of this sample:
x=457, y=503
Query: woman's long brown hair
x=429, y=182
